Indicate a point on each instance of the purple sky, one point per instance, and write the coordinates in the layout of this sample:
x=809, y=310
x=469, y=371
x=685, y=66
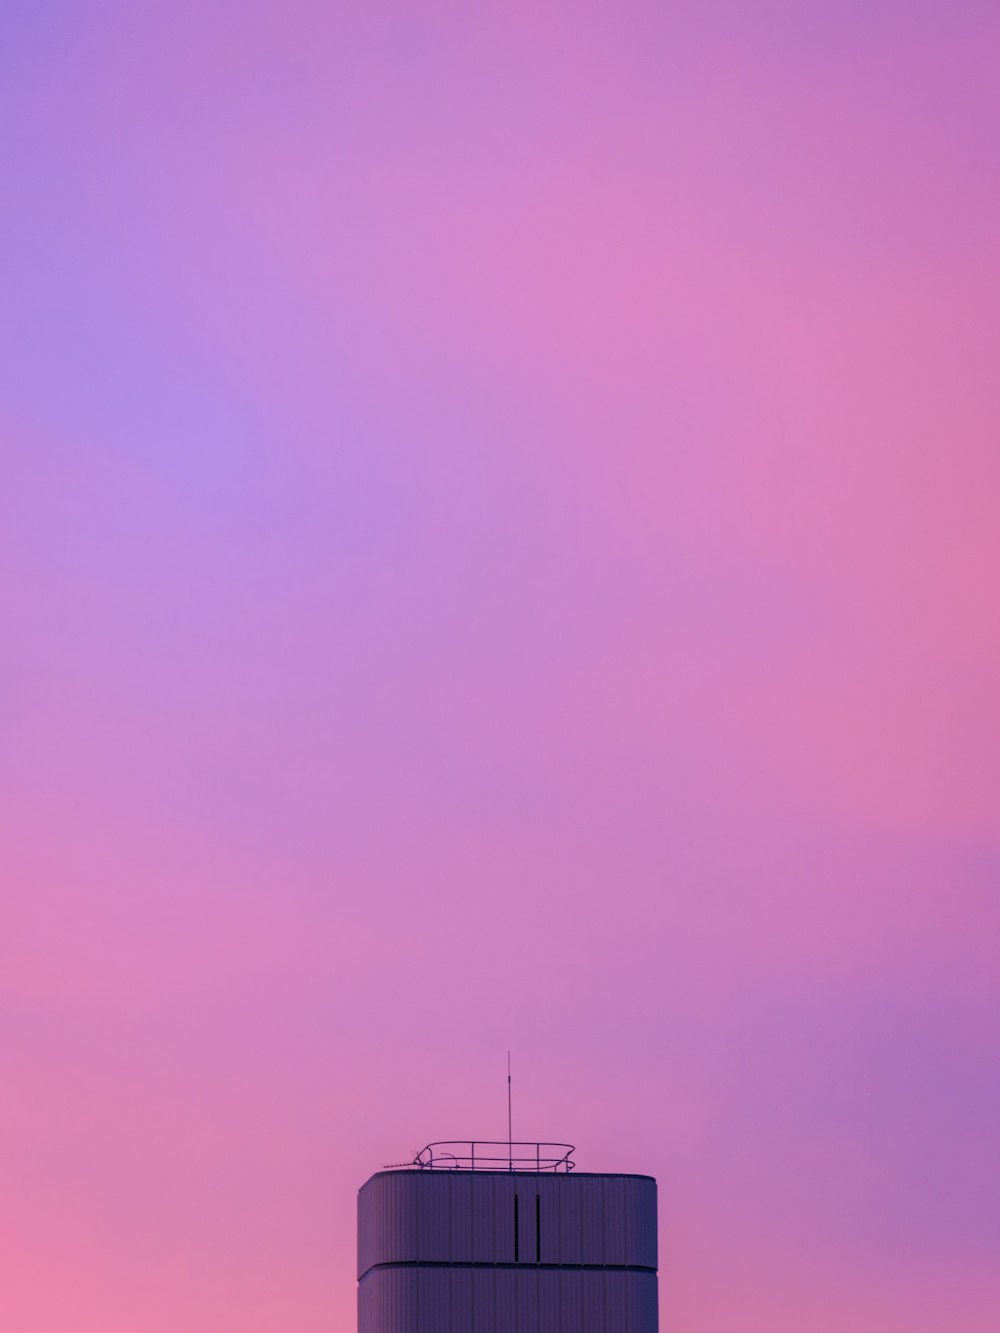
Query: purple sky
x=499, y=529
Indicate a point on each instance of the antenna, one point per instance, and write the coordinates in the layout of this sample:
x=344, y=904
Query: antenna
x=510, y=1131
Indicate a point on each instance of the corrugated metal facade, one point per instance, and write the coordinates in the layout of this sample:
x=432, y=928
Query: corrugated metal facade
x=502, y=1300
x=506, y=1252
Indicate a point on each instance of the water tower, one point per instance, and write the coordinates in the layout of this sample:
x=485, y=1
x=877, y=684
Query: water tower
x=479, y=1237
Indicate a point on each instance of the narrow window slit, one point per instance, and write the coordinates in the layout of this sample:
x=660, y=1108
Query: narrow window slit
x=517, y=1231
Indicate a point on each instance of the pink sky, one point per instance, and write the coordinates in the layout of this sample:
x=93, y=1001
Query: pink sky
x=499, y=530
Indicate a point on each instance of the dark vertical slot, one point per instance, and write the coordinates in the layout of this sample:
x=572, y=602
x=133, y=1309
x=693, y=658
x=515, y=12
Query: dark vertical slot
x=517, y=1231
x=538, y=1228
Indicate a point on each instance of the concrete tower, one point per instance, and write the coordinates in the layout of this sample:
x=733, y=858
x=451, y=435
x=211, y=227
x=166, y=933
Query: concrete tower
x=479, y=1237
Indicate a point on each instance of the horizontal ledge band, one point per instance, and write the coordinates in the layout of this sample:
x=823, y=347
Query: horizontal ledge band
x=526, y=1267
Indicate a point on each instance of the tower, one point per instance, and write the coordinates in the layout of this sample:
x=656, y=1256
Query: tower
x=478, y=1237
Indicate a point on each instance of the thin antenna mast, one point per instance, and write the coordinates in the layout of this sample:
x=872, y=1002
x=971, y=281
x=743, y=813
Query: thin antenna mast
x=510, y=1123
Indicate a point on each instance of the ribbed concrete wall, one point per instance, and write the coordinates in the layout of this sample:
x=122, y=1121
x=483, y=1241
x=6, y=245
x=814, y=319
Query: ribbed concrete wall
x=436, y=1253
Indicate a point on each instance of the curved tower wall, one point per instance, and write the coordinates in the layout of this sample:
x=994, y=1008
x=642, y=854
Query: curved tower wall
x=506, y=1252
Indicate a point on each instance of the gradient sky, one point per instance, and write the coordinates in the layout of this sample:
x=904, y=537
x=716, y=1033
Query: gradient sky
x=499, y=512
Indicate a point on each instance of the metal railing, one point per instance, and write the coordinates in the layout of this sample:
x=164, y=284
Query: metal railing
x=491, y=1155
